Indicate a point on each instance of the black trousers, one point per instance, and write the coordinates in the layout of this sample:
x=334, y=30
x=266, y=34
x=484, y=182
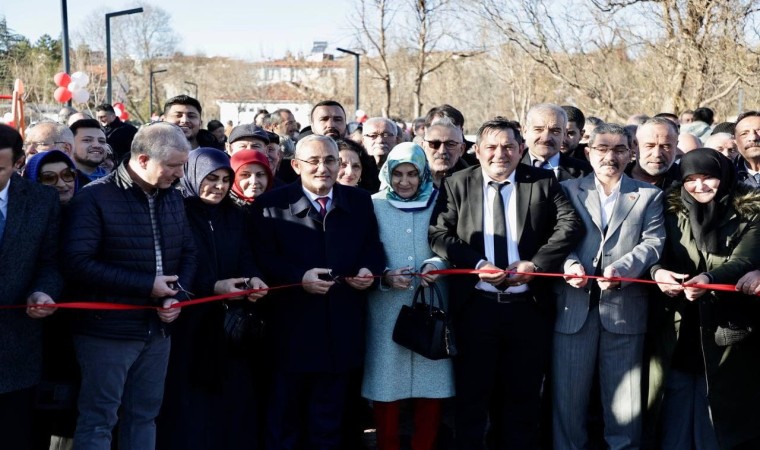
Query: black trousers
x=306, y=410
x=16, y=419
x=504, y=351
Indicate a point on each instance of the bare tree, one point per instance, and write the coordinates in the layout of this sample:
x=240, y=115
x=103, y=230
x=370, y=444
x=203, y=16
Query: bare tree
x=373, y=36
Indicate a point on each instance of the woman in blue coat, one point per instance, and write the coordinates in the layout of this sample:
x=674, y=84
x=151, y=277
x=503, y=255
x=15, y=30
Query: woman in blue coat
x=211, y=400
x=393, y=373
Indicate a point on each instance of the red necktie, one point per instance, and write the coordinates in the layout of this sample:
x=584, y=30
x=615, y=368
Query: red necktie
x=323, y=203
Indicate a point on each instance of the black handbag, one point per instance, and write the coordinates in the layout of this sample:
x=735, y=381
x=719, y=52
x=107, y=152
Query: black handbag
x=424, y=327
x=242, y=324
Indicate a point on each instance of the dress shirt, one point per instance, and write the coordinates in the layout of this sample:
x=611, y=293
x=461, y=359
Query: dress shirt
x=552, y=162
x=4, y=199
x=510, y=206
x=313, y=199
x=607, y=201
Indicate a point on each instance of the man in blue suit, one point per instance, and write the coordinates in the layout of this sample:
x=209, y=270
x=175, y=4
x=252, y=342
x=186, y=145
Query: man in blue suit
x=601, y=323
x=311, y=232
x=28, y=276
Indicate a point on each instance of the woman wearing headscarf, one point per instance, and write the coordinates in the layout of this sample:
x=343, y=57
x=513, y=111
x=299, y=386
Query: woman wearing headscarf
x=253, y=177
x=54, y=168
x=707, y=363
x=56, y=414
x=393, y=373
x=210, y=400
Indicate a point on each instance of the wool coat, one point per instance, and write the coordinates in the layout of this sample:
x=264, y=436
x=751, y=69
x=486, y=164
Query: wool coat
x=393, y=372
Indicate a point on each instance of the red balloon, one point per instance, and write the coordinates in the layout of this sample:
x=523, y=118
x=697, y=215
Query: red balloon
x=62, y=94
x=62, y=79
x=124, y=116
x=119, y=105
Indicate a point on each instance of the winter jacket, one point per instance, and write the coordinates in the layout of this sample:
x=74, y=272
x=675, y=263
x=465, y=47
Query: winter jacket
x=727, y=322
x=109, y=252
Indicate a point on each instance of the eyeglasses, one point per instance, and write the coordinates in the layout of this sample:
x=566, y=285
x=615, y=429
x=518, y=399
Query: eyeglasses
x=450, y=145
x=330, y=161
x=619, y=150
x=41, y=144
x=377, y=135
x=51, y=178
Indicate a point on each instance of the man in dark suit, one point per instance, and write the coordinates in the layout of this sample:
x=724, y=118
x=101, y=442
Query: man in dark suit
x=28, y=275
x=308, y=233
x=545, y=129
x=502, y=215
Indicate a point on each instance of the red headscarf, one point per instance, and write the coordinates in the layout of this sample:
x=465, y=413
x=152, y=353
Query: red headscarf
x=243, y=157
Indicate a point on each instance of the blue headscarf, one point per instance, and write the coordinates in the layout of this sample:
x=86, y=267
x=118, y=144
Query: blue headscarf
x=34, y=164
x=201, y=162
x=408, y=152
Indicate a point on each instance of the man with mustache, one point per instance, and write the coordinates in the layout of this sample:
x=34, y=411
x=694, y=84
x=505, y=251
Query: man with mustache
x=601, y=323
x=656, y=153
x=747, y=135
x=443, y=143
x=545, y=130
x=328, y=118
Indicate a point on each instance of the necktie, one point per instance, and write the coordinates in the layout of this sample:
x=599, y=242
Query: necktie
x=323, y=203
x=540, y=164
x=500, y=251
x=2, y=225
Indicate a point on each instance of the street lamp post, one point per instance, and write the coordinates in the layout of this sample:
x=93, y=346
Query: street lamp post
x=152, y=72
x=65, y=38
x=356, y=76
x=194, y=85
x=108, y=46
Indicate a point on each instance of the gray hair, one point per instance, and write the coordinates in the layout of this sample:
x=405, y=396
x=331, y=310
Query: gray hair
x=446, y=122
x=545, y=108
x=306, y=141
x=609, y=128
x=61, y=132
x=660, y=121
x=710, y=142
x=157, y=139
x=388, y=123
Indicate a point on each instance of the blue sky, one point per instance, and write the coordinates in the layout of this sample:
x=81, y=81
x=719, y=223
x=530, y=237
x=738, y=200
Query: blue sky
x=258, y=29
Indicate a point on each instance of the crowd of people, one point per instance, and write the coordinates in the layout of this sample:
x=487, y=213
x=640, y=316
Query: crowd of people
x=611, y=300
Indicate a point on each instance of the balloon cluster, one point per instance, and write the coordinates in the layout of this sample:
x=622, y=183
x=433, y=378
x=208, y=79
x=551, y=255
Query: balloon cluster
x=71, y=87
x=121, y=111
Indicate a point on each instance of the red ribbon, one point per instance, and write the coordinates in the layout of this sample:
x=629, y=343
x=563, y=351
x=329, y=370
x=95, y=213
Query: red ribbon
x=214, y=298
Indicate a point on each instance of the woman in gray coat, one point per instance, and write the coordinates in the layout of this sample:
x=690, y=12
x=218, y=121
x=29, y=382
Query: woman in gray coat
x=393, y=373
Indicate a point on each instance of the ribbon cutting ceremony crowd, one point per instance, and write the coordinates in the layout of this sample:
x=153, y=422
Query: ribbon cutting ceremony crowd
x=329, y=230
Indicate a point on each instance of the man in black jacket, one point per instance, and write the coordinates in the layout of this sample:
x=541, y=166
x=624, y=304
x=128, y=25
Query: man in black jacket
x=545, y=130
x=28, y=276
x=496, y=216
x=127, y=241
x=118, y=134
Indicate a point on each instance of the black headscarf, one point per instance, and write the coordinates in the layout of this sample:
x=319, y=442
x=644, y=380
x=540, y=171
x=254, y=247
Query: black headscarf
x=201, y=162
x=705, y=218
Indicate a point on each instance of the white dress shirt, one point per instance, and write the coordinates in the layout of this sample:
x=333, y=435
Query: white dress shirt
x=313, y=199
x=510, y=207
x=607, y=201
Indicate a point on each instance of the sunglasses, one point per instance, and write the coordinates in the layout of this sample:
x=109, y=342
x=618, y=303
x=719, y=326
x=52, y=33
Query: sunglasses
x=450, y=145
x=51, y=178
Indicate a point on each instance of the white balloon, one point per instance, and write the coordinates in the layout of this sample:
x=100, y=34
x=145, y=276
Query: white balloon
x=74, y=86
x=80, y=78
x=80, y=96
x=8, y=118
x=117, y=111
